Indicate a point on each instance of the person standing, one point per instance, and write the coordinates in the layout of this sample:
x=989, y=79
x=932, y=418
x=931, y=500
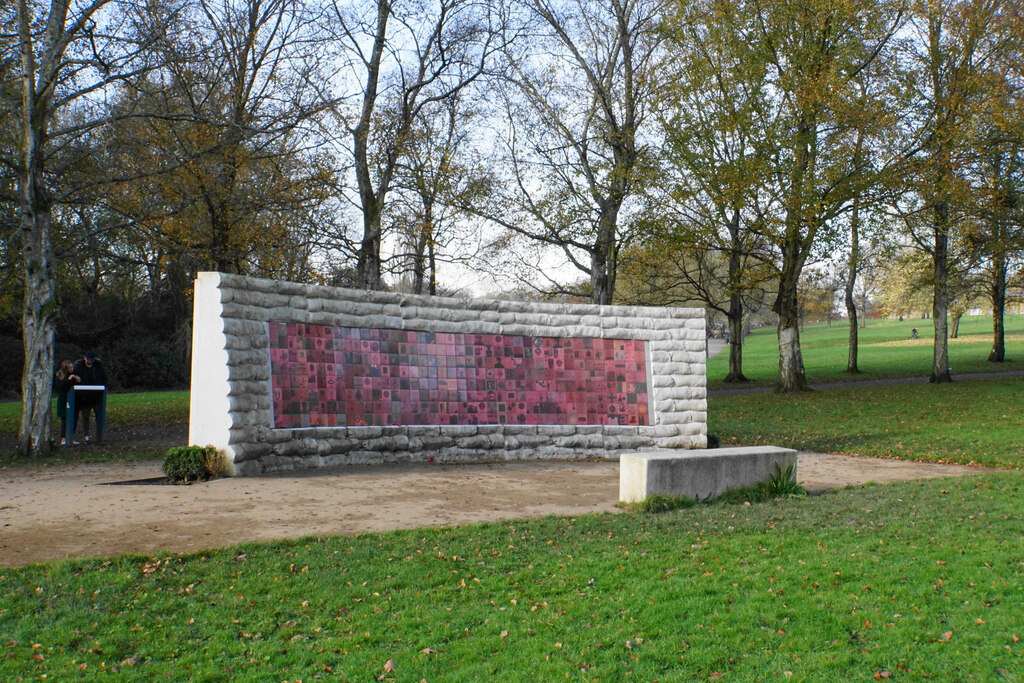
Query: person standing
x=89, y=370
x=63, y=380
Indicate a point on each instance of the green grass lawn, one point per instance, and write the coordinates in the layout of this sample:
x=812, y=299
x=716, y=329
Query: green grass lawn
x=123, y=411
x=914, y=581
x=909, y=581
x=885, y=350
x=969, y=422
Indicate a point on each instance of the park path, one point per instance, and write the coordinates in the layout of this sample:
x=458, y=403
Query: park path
x=48, y=513
x=875, y=381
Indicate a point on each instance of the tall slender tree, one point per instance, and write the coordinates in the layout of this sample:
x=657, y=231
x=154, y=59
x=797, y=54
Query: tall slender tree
x=401, y=57
x=437, y=182
x=69, y=54
x=949, y=44
x=817, y=51
x=716, y=119
x=578, y=96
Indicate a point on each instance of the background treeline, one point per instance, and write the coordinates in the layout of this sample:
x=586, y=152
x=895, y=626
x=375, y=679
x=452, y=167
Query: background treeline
x=761, y=159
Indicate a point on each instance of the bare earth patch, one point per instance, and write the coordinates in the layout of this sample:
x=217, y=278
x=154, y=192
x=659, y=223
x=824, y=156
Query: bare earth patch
x=68, y=510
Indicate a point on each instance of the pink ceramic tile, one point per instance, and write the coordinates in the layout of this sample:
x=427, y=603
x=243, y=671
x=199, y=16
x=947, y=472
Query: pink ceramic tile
x=336, y=376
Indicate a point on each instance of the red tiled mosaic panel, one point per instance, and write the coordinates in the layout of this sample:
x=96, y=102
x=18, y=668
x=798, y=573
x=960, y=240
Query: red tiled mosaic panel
x=325, y=376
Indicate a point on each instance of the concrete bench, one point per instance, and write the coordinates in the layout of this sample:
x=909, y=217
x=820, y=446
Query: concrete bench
x=698, y=473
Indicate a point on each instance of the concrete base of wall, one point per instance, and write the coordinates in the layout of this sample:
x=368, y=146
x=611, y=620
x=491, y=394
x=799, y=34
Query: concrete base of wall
x=700, y=473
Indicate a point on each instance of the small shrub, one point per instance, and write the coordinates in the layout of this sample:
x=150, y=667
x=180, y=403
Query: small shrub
x=214, y=463
x=783, y=484
x=193, y=463
x=661, y=502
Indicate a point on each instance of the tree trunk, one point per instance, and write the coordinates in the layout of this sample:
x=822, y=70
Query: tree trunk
x=940, y=299
x=36, y=223
x=220, y=236
x=432, y=268
x=792, y=376
x=735, y=315
x=998, y=353
x=853, y=264
x=423, y=239
x=603, y=257
x=735, y=340
x=418, y=265
x=954, y=324
x=37, y=321
x=368, y=266
x=851, y=280
x=368, y=271
x=1005, y=203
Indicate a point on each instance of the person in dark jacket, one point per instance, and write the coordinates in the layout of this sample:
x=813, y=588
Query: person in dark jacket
x=63, y=380
x=89, y=370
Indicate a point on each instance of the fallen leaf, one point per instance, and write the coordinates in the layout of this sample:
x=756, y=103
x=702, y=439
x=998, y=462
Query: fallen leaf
x=389, y=666
x=503, y=634
x=879, y=675
x=428, y=651
x=946, y=636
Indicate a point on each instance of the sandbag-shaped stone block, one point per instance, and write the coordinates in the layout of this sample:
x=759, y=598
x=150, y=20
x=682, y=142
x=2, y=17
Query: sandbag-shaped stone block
x=699, y=473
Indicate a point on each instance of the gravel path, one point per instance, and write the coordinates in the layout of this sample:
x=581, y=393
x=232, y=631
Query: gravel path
x=48, y=513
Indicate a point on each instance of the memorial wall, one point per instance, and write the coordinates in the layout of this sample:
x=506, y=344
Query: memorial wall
x=288, y=376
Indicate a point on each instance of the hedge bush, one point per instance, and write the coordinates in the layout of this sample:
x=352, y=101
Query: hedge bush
x=193, y=463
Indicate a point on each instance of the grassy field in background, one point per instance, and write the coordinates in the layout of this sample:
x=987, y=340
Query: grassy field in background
x=911, y=581
x=884, y=350
x=968, y=422
x=154, y=407
x=124, y=411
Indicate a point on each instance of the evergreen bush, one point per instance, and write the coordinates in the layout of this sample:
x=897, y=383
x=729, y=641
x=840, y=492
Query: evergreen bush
x=193, y=463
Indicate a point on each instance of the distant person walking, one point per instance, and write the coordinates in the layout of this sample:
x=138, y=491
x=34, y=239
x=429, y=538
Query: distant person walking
x=913, y=334
x=63, y=380
x=90, y=372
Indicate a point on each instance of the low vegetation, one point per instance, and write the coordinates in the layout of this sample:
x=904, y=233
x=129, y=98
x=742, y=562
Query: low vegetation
x=186, y=464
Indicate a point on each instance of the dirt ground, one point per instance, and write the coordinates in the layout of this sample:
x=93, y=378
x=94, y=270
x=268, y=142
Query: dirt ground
x=72, y=510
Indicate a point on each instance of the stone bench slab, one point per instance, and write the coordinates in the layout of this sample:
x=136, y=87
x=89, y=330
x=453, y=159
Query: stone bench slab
x=698, y=473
